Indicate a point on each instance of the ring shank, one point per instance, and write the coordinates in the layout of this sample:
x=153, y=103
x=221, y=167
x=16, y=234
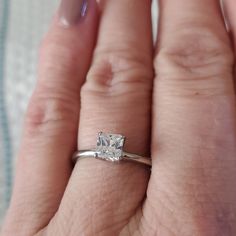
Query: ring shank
x=126, y=157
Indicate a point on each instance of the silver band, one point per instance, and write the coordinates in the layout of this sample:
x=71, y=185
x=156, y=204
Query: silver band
x=110, y=148
x=126, y=157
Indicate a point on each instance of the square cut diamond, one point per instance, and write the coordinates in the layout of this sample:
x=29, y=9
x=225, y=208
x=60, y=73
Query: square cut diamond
x=110, y=146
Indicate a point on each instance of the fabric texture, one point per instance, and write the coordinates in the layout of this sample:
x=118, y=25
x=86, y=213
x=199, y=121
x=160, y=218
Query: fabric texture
x=22, y=26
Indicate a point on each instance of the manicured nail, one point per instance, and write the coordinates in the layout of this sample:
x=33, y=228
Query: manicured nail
x=71, y=11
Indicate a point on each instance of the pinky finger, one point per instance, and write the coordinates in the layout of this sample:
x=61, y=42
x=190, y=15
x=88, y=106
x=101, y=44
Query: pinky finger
x=50, y=133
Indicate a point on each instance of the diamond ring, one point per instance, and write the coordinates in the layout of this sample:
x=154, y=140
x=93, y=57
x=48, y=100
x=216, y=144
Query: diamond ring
x=110, y=148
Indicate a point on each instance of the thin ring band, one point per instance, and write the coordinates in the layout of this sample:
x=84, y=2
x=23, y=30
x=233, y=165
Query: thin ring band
x=126, y=157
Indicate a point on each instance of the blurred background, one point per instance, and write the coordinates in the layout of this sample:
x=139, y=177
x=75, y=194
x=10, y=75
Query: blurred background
x=22, y=26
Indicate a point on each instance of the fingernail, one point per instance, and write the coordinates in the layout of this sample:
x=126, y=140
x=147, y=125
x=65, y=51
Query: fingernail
x=71, y=11
x=225, y=16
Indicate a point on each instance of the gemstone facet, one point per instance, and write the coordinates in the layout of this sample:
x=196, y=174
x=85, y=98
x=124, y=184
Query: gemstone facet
x=110, y=146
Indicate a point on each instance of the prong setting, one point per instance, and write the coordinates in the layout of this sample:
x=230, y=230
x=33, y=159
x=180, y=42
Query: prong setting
x=110, y=147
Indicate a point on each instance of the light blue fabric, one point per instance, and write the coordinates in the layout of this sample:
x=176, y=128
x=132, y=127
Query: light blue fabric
x=5, y=137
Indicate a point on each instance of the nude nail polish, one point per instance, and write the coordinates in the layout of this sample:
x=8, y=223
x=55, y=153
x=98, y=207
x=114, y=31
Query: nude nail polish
x=71, y=11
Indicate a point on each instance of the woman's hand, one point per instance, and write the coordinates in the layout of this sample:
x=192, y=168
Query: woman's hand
x=191, y=190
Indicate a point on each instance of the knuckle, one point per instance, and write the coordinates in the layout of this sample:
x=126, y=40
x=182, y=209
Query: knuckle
x=195, y=51
x=118, y=71
x=187, y=64
x=49, y=109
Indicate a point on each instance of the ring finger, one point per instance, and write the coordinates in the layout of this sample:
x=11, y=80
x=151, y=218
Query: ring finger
x=116, y=98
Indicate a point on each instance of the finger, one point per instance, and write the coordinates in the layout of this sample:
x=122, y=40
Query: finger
x=230, y=7
x=194, y=122
x=115, y=99
x=49, y=139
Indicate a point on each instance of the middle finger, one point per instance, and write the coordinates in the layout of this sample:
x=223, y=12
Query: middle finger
x=193, y=145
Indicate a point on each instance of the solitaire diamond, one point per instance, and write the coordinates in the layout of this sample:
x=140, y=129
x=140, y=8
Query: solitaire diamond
x=110, y=146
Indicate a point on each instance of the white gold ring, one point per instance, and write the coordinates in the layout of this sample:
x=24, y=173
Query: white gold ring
x=110, y=148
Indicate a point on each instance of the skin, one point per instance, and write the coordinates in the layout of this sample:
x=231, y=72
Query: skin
x=188, y=110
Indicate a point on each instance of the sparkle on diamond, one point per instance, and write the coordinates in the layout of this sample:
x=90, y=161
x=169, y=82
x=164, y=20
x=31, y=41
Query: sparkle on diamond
x=110, y=146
